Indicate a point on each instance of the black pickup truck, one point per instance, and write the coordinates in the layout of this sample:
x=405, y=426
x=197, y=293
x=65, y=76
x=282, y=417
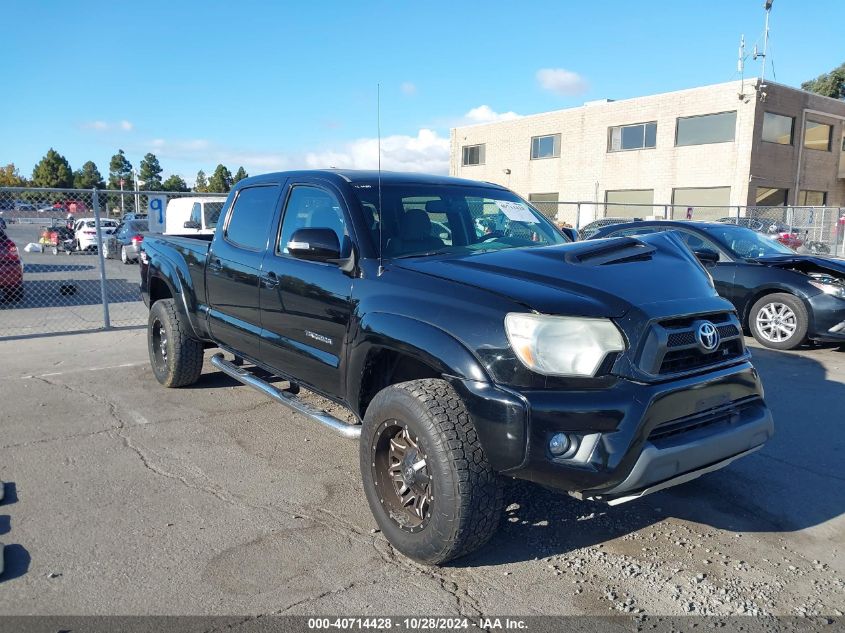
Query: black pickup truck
x=470, y=339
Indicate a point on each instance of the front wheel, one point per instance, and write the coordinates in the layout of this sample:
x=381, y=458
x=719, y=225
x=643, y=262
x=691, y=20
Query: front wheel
x=427, y=480
x=779, y=321
x=175, y=356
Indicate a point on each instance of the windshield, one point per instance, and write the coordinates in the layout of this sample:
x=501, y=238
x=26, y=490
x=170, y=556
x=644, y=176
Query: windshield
x=212, y=213
x=424, y=219
x=749, y=244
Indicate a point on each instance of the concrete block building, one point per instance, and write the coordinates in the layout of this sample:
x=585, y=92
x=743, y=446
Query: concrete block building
x=740, y=143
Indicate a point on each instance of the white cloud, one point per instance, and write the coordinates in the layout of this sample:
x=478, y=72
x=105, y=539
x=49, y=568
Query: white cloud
x=425, y=152
x=486, y=114
x=561, y=81
x=408, y=88
x=106, y=126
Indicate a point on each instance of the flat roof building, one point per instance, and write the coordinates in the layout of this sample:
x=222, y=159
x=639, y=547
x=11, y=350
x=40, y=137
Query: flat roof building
x=730, y=144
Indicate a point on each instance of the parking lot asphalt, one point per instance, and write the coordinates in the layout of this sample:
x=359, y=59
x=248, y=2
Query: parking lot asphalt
x=126, y=498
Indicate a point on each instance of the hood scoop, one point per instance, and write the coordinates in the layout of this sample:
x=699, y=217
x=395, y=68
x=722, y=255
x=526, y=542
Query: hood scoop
x=614, y=251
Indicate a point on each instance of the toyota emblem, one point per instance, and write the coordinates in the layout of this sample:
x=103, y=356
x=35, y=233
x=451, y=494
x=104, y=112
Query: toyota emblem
x=707, y=336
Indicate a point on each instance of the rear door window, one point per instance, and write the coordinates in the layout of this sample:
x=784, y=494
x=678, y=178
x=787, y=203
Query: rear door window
x=252, y=212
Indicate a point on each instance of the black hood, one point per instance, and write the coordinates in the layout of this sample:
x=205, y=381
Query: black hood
x=597, y=278
x=829, y=264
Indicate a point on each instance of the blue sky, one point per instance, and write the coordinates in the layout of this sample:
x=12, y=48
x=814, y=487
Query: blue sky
x=272, y=85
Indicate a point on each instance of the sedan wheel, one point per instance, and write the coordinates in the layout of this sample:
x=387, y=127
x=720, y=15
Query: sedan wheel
x=124, y=256
x=779, y=321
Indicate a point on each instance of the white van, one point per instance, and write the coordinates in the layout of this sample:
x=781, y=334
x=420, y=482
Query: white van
x=187, y=216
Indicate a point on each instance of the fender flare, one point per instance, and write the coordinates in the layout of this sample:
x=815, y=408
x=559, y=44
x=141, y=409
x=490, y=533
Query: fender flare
x=418, y=340
x=165, y=271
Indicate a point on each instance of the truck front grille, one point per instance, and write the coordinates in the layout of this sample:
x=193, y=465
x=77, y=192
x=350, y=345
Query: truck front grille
x=729, y=415
x=672, y=346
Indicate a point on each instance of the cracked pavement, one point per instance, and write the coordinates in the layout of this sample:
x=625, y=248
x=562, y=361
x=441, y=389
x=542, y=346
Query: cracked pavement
x=127, y=498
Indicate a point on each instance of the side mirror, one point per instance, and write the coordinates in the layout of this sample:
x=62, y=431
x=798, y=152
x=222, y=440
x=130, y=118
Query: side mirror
x=192, y=224
x=707, y=257
x=314, y=245
x=570, y=232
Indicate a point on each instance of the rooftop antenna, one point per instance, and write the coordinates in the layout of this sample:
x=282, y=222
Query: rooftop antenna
x=380, y=218
x=740, y=65
x=768, y=7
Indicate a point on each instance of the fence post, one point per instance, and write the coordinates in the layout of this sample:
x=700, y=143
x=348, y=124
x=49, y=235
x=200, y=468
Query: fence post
x=738, y=213
x=103, y=293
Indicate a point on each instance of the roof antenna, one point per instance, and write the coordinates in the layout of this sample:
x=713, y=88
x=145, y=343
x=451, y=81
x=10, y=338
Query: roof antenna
x=380, y=215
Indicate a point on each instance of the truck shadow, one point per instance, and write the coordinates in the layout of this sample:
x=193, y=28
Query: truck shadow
x=795, y=482
x=16, y=558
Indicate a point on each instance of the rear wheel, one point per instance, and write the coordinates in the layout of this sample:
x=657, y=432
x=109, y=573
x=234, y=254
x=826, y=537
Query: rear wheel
x=427, y=480
x=175, y=356
x=779, y=321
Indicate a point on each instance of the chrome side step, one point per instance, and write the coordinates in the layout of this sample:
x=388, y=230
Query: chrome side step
x=352, y=431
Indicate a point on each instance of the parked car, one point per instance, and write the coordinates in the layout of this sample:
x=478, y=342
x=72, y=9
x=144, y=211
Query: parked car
x=588, y=230
x=11, y=269
x=126, y=241
x=783, y=298
x=504, y=354
x=85, y=230
x=21, y=205
x=2, y=224
x=133, y=216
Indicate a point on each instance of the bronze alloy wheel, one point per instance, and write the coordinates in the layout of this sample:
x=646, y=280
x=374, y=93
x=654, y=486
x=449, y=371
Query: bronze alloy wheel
x=401, y=475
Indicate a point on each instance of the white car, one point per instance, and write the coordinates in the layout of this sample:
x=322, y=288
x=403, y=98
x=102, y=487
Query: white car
x=85, y=230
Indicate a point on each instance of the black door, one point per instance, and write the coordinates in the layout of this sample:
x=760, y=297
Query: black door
x=233, y=269
x=723, y=273
x=306, y=305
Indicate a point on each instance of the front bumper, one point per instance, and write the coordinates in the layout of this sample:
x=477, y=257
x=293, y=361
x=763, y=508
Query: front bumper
x=636, y=435
x=828, y=318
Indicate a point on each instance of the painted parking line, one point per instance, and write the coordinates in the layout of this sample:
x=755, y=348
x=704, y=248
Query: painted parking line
x=74, y=371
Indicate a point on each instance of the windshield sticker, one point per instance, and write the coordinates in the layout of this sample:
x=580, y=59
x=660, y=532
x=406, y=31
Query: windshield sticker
x=516, y=211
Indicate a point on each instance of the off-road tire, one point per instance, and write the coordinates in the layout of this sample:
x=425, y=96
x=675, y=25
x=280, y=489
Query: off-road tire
x=467, y=495
x=801, y=320
x=181, y=365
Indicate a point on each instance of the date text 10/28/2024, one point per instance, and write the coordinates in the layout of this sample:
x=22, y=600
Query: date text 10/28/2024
x=416, y=623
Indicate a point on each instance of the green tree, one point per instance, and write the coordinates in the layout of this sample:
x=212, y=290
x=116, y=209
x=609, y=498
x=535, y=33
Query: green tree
x=201, y=184
x=120, y=169
x=11, y=177
x=150, y=173
x=221, y=180
x=174, y=183
x=830, y=84
x=52, y=171
x=88, y=177
x=240, y=175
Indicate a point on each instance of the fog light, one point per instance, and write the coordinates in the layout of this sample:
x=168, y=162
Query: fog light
x=559, y=444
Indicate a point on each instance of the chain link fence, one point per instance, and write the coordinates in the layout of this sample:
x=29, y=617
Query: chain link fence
x=68, y=259
x=818, y=230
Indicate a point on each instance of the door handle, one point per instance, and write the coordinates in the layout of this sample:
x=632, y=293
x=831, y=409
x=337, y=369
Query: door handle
x=215, y=265
x=270, y=280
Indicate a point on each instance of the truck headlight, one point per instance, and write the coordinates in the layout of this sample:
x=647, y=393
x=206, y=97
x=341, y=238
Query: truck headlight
x=561, y=345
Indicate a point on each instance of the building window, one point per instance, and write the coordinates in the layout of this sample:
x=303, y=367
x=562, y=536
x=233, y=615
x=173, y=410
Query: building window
x=817, y=136
x=474, y=154
x=771, y=197
x=807, y=198
x=708, y=128
x=545, y=146
x=777, y=128
x=546, y=203
x=639, y=136
x=629, y=203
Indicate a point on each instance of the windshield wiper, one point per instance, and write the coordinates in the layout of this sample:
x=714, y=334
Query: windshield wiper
x=426, y=254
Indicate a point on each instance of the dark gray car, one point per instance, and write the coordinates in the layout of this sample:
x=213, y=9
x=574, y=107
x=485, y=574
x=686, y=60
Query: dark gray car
x=125, y=241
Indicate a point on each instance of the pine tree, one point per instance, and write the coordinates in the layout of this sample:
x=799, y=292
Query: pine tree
x=201, y=184
x=240, y=175
x=221, y=180
x=11, y=177
x=120, y=169
x=830, y=84
x=150, y=173
x=175, y=183
x=88, y=177
x=52, y=171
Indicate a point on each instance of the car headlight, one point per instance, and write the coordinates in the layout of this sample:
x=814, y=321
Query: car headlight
x=835, y=289
x=561, y=345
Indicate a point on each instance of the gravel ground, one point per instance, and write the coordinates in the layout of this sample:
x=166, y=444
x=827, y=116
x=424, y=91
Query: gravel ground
x=126, y=498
